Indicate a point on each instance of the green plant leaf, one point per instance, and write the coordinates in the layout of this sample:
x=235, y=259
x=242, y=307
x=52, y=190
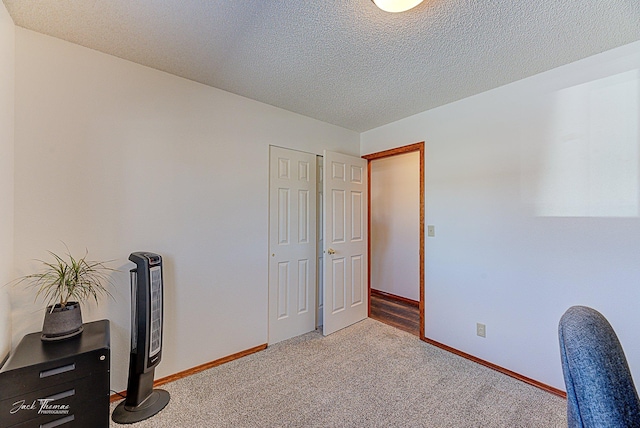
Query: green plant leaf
x=72, y=279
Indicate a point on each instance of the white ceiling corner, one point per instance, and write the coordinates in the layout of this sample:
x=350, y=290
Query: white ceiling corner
x=344, y=62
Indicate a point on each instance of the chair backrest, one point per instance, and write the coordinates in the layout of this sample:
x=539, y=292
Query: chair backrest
x=600, y=389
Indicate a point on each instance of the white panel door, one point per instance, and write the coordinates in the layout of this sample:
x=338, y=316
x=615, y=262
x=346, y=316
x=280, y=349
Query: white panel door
x=292, y=243
x=345, y=241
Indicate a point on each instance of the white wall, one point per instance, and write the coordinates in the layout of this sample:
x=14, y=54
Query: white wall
x=395, y=225
x=116, y=157
x=7, y=88
x=534, y=192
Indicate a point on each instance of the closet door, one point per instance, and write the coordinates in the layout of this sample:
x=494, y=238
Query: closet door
x=345, y=241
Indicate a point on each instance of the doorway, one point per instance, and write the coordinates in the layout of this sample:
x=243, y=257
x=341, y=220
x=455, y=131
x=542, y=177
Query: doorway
x=396, y=285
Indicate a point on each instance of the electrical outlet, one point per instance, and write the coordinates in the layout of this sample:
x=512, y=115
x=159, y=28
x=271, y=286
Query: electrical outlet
x=481, y=330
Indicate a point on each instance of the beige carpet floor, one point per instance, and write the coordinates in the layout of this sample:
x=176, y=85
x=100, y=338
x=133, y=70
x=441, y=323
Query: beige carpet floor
x=367, y=375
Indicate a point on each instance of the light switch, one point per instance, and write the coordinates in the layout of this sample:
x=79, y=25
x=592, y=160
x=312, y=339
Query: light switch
x=431, y=231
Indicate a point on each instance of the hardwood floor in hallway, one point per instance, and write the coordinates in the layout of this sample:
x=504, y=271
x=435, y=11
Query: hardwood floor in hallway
x=396, y=313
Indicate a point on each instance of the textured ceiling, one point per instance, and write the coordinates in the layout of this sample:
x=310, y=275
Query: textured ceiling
x=343, y=61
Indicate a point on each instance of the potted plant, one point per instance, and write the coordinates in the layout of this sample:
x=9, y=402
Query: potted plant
x=64, y=284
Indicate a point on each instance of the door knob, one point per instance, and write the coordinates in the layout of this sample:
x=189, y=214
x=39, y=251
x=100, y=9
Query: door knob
x=331, y=251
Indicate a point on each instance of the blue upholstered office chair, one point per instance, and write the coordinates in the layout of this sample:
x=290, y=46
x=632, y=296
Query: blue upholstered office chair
x=600, y=390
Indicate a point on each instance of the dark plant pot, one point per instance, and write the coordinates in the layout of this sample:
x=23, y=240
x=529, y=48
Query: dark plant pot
x=62, y=322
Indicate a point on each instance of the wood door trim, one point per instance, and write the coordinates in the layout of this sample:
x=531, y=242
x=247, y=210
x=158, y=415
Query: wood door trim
x=397, y=151
x=417, y=147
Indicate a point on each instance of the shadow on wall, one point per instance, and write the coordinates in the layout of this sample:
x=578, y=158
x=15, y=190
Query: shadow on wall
x=119, y=310
x=5, y=326
x=589, y=163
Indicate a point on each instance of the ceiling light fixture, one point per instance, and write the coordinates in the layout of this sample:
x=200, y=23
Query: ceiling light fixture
x=396, y=5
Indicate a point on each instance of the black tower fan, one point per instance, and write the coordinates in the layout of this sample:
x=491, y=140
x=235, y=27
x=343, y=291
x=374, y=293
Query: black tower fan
x=142, y=400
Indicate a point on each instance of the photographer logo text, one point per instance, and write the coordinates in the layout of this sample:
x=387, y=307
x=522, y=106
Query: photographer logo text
x=42, y=405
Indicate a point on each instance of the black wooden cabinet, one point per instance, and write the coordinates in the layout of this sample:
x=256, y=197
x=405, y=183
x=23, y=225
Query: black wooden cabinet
x=58, y=384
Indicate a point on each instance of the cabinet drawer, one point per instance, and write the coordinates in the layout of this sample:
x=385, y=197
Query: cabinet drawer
x=89, y=394
x=14, y=383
